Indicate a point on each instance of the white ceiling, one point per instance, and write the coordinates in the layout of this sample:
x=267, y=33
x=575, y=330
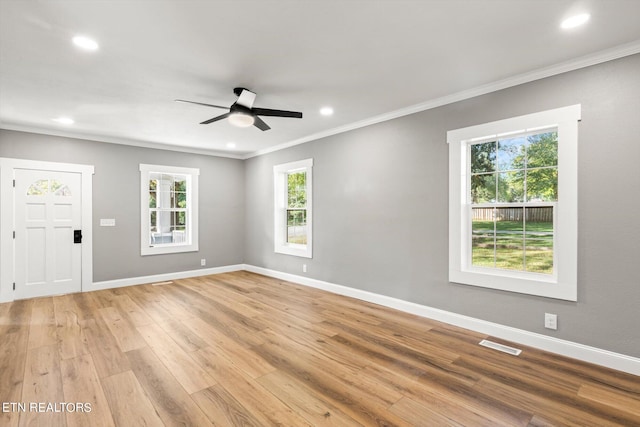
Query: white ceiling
x=369, y=60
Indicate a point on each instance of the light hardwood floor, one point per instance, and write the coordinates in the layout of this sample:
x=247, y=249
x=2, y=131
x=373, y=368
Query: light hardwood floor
x=244, y=349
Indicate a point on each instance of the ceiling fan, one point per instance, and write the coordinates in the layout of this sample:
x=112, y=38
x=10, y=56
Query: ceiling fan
x=242, y=113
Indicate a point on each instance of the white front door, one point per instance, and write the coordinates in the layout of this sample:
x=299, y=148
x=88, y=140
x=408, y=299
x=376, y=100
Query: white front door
x=48, y=211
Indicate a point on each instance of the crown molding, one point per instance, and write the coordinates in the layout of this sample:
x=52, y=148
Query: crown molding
x=563, y=67
x=118, y=140
x=617, y=52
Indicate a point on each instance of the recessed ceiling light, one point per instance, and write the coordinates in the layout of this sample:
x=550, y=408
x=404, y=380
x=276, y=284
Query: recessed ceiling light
x=64, y=120
x=231, y=145
x=85, y=43
x=575, y=21
x=326, y=111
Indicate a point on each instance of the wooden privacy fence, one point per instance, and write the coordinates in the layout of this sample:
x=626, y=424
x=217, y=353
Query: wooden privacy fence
x=535, y=214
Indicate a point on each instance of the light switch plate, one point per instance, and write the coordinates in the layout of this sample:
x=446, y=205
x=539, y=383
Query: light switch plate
x=107, y=222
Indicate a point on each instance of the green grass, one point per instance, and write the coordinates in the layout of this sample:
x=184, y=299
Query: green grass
x=513, y=247
x=300, y=240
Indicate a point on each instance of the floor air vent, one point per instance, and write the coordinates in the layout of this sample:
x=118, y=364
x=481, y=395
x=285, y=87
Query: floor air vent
x=501, y=347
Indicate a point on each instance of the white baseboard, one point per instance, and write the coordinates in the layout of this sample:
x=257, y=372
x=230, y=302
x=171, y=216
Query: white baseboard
x=571, y=349
x=156, y=278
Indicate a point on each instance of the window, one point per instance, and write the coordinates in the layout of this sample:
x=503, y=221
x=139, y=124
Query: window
x=43, y=187
x=169, y=209
x=513, y=204
x=292, y=213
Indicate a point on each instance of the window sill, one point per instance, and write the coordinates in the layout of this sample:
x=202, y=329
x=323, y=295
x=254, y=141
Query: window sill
x=303, y=251
x=167, y=249
x=532, y=284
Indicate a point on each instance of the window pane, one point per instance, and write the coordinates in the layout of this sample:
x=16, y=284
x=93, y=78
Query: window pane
x=542, y=185
x=38, y=188
x=511, y=186
x=178, y=220
x=297, y=190
x=181, y=200
x=483, y=188
x=297, y=226
x=511, y=153
x=180, y=184
x=539, y=240
x=483, y=157
x=153, y=220
x=164, y=222
x=63, y=191
x=153, y=227
x=164, y=198
x=168, y=196
x=542, y=150
x=510, y=238
x=482, y=238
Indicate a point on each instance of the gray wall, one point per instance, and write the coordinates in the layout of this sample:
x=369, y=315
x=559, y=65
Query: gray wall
x=116, y=194
x=381, y=208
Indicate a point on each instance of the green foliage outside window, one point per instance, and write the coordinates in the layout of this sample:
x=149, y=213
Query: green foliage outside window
x=297, y=203
x=514, y=171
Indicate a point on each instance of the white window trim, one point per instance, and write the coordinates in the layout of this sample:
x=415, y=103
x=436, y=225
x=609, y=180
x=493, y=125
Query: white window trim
x=281, y=245
x=563, y=283
x=192, y=221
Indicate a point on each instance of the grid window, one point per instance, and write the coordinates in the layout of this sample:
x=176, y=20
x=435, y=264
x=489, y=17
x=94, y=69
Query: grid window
x=513, y=192
x=292, y=208
x=513, y=204
x=169, y=209
x=297, y=208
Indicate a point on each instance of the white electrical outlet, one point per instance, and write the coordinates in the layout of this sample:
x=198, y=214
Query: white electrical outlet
x=551, y=321
x=203, y=262
x=304, y=268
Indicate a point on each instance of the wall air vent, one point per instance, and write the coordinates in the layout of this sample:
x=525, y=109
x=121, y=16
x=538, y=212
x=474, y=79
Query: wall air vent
x=501, y=347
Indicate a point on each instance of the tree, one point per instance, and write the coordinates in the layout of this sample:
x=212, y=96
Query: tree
x=297, y=190
x=540, y=161
x=483, y=161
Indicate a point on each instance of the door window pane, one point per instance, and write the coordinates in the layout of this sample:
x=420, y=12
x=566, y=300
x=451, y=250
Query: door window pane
x=38, y=188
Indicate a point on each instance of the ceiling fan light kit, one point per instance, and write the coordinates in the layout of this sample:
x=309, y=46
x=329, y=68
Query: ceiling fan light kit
x=241, y=120
x=243, y=114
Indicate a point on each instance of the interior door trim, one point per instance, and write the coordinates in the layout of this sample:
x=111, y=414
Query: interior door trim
x=7, y=251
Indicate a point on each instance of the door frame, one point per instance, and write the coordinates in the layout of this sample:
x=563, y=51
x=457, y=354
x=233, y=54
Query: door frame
x=7, y=220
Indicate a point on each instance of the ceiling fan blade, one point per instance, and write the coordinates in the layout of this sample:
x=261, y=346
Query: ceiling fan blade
x=260, y=124
x=215, y=119
x=276, y=113
x=246, y=98
x=201, y=103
